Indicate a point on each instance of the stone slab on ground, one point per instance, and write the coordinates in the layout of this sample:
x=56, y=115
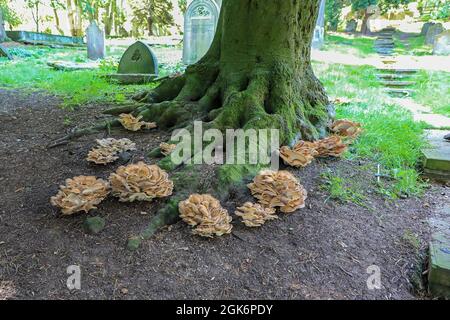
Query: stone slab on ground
x=398, y=71
x=398, y=92
x=437, y=155
x=388, y=83
x=132, y=78
x=439, y=266
x=5, y=53
x=73, y=66
x=434, y=120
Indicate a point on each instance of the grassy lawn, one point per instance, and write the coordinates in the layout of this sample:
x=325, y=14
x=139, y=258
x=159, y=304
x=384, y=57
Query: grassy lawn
x=391, y=137
x=432, y=89
x=30, y=71
x=413, y=45
x=358, y=46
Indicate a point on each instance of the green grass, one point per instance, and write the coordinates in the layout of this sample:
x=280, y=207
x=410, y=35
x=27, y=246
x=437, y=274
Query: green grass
x=416, y=46
x=30, y=71
x=391, y=137
x=432, y=89
x=342, y=190
x=360, y=46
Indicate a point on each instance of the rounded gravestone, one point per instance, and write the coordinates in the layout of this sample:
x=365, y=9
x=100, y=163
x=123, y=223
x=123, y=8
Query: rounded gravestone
x=138, y=59
x=442, y=44
x=425, y=28
x=433, y=32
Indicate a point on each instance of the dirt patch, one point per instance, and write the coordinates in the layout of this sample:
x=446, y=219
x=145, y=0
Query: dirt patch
x=320, y=252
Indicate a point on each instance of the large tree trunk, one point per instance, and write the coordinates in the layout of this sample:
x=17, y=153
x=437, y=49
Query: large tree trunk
x=257, y=74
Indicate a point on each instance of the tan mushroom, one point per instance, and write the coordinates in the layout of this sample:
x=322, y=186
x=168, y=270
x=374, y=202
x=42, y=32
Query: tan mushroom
x=255, y=215
x=80, y=193
x=166, y=148
x=132, y=123
x=140, y=182
x=301, y=155
x=278, y=189
x=205, y=213
x=108, y=150
x=346, y=128
x=332, y=146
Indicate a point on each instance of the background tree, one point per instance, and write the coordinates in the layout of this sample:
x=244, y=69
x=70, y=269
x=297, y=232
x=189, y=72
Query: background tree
x=148, y=14
x=333, y=10
x=56, y=6
x=363, y=8
x=34, y=6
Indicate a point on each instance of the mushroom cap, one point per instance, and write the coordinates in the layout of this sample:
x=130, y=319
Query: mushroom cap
x=80, y=193
x=255, y=215
x=205, y=213
x=141, y=182
x=278, y=189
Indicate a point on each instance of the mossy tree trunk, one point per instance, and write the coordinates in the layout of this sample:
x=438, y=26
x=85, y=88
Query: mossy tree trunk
x=257, y=74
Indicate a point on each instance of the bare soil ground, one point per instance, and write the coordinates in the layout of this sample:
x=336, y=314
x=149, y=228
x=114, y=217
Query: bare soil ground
x=320, y=252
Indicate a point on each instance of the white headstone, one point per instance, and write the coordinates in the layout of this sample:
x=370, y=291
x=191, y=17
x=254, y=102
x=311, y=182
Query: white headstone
x=200, y=25
x=319, y=31
x=95, y=39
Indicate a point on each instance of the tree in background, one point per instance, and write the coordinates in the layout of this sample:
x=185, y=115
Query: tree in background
x=333, y=9
x=57, y=5
x=434, y=10
x=148, y=14
x=34, y=6
x=183, y=5
x=9, y=15
x=363, y=8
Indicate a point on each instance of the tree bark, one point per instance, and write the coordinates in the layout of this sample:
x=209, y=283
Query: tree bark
x=365, y=29
x=57, y=22
x=2, y=27
x=256, y=74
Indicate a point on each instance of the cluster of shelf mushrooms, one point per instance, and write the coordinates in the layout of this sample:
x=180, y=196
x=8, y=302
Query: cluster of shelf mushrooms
x=143, y=182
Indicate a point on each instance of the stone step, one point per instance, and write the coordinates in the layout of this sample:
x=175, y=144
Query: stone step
x=434, y=120
x=399, y=92
x=436, y=162
x=392, y=76
x=398, y=71
x=439, y=264
x=397, y=83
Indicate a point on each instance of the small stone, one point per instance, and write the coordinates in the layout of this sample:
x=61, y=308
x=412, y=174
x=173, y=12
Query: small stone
x=94, y=225
x=134, y=243
x=124, y=291
x=447, y=137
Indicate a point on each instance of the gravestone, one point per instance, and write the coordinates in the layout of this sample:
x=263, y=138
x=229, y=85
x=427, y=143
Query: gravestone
x=442, y=44
x=137, y=65
x=95, y=39
x=2, y=27
x=351, y=26
x=433, y=32
x=319, y=31
x=425, y=28
x=200, y=24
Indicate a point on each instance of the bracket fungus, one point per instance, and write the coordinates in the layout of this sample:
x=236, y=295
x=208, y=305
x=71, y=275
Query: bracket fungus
x=332, y=146
x=166, y=148
x=80, y=193
x=278, y=189
x=346, y=128
x=255, y=215
x=140, y=182
x=301, y=155
x=205, y=213
x=109, y=149
x=132, y=123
